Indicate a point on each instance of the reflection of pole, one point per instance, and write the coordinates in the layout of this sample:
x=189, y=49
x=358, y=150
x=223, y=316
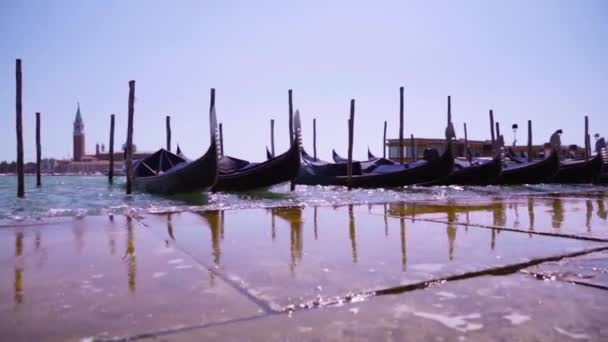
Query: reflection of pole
x=273, y=230
x=352, y=232
x=315, y=222
x=18, y=272
x=531, y=213
x=403, y=247
x=589, y=213
x=385, y=221
x=130, y=256
x=493, y=241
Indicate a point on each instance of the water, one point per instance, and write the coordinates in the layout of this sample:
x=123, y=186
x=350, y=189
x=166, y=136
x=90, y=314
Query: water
x=63, y=196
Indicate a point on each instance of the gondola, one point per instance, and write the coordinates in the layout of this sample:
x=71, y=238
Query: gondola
x=240, y=175
x=579, y=171
x=381, y=176
x=366, y=166
x=478, y=172
x=167, y=173
x=533, y=172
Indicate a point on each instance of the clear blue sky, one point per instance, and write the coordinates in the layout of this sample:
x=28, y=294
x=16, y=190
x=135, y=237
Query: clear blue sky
x=540, y=60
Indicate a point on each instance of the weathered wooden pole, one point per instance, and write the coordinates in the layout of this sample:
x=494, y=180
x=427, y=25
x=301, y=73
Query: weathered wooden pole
x=466, y=144
x=272, y=137
x=449, y=109
x=530, y=153
x=587, y=138
x=221, y=139
x=129, y=146
x=168, y=124
x=401, y=125
x=19, y=127
x=290, y=94
x=492, y=127
x=413, y=147
x=314, y=138
x=384, y=142
x=351, y=126
x=38, y=152
x=111, y=170
x=498, y=133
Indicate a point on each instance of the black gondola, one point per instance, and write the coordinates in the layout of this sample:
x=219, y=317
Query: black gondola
x=534, y=172
x=241, y=175
x=381, y=176
x=579, y=171
x=479, y=172
x=167, y=173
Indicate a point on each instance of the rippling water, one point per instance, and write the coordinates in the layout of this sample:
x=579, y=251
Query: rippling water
x=79, y=196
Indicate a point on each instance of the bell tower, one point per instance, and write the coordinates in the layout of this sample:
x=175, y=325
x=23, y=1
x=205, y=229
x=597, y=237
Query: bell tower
x=78, y=135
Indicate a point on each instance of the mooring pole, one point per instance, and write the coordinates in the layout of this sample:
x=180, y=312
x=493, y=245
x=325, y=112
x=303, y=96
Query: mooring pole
x=168, y=124
x=449, y=109
x=498, y=132
x=587, y=138
x=38, y=152
x=466, y=144
x=314, y=138
x=384, y=142
x=351, y=126
x=414, y=152
x=401, y=125
x=19, y=128
x=111, y=170
x=530, y=153
x=290, y=95
x=272, y=137
x=130, y=137
x=492, y=128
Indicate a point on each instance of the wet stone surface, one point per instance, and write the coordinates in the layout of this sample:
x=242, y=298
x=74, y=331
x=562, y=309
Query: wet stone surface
x=289, y=256
x=236, y=274
x=96, y=277
x=514, y=307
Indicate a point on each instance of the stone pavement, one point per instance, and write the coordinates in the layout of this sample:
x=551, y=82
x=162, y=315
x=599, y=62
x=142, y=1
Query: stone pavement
x=521, y=268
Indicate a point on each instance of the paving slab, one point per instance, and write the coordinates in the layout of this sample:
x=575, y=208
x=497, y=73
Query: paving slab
x=289, y=256
x=567, y=216
x=100, y=277
x=514, y=307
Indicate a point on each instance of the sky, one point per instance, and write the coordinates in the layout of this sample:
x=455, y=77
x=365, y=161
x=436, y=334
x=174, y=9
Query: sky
x=538, y=60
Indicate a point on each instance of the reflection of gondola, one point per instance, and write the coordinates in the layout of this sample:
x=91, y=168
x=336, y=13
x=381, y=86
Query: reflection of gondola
x=241, y=175
x=530, y=172
x=167, y=173
x=579, y=171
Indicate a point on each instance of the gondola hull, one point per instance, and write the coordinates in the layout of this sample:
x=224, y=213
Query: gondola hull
x=196, y=176
x=277, y=170
x=482, y=174
x=530, y=172
x=582, y=171
x=423, y=172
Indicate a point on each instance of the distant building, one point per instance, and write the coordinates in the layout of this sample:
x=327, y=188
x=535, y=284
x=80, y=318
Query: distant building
x=78, y=137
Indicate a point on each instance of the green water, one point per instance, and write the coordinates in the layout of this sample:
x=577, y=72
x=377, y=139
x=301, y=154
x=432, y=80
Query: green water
x=81, y=196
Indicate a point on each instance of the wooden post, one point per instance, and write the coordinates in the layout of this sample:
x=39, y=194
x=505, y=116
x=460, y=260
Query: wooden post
x=401, y=125
x=498, y=131
x=587, y=139
x=314, y=138
x=111, y=170
x=272, y=137
x=351, y=126
x=413, y=147
x=466, y=144
x=129, y=146
x=38, y=152
x=168, y=124
x=530, y=153
x=290, y=94
x=492, y=127
x=384, y=142
x=221, y=140
x=19, y=127
x=449, y=110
